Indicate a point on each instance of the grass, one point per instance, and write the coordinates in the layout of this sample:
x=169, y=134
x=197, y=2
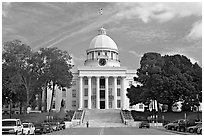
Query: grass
x=32, y=117
x=39, y=117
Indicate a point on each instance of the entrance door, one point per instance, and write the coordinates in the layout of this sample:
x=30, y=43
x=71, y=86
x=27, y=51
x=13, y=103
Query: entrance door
x=102, y=104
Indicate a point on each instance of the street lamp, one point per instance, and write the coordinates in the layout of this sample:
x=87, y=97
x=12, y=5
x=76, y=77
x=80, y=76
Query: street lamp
x=9, y=100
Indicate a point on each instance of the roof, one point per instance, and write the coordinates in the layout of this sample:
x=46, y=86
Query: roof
x=102, y=41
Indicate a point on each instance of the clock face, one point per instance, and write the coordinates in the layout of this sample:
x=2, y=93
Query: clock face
x=102, y=62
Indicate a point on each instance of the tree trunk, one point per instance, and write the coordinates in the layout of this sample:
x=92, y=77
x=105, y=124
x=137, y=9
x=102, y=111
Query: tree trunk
x=53, y=91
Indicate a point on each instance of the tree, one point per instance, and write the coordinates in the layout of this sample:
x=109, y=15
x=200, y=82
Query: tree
x=55, y=71
x=18, y=55
x=167, y=79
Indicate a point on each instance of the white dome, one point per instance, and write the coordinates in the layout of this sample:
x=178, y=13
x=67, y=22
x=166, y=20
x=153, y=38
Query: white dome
x=103, y=41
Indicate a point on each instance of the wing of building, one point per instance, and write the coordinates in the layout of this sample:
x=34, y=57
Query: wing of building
x=100, y=83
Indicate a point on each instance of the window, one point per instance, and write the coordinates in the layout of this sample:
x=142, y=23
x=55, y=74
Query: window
x=140, y=106
x=111, y=55
x=110, y=82
x=118, y=91
x=85, y=81
x=118, y=81
x=118, y=104
x=74, y=103
x=85, y=103
x=110, y=104
x=94, y=91
x=74, y=93
x=86, y=92
x=99, y=53
x=106, y=53
x=110, y=91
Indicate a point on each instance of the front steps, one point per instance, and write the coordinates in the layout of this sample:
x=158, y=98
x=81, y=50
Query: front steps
x=102, y=118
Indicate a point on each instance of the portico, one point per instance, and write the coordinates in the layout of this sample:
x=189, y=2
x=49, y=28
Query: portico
x=101, y=92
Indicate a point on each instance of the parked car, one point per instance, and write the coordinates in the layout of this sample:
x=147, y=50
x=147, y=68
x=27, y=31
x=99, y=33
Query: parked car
x=193, y=129
x=199, y=130
x=28, y=129
x=144, y=124
x=40, y=129
x=12, y=126
x=48, y=127
x=62, y=125
x=173, y=125
x=183, y=125
x=58, y=126
x=54, y=126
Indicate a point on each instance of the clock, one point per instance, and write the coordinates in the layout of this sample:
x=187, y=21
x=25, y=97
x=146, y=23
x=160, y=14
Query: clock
x=102, y=62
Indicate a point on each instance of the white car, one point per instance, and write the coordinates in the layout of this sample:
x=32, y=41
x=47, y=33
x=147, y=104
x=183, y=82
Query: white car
x=12, y=126
x=28, y=129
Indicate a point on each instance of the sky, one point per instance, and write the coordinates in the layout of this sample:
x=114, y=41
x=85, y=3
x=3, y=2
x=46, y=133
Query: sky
x=136, y=28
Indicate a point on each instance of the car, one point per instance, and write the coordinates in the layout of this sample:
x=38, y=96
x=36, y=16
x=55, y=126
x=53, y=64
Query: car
x=183, y=125
x=12, y=126
x=62, y=125
x=173, y=125
x=48, y=127
x=54, y=126
x=40, y=129
x=144, y=124
x=28, y=129
x=193, y=129
x=199, y=130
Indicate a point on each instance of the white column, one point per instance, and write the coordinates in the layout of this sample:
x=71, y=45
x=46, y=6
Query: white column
x=97, y=93
x=123, y=93
x=80, y=92
x=89, y=92
x=115, y=93
x=106, y=93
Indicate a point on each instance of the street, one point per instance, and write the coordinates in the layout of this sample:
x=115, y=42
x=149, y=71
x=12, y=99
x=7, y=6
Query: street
x=112, y=131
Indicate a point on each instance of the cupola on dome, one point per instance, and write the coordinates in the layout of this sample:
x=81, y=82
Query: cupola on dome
x=102, y=41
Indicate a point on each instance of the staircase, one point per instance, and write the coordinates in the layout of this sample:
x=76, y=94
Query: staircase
x=102, y=118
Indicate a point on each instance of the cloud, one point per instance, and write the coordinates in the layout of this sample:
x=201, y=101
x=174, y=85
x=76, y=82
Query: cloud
x=196, y=31
x=135, y=53
x=161, y=12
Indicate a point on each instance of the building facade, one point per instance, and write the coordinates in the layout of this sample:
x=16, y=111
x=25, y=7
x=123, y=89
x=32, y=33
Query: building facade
x=100, y=83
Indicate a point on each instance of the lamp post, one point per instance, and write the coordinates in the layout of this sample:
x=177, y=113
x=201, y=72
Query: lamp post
x=9, y=100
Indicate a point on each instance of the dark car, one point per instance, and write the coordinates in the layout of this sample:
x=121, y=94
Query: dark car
x=144, y=124
x=62, y=125
x=48, y=127
x=40, y=129
x=173, y=125
x=193, y=129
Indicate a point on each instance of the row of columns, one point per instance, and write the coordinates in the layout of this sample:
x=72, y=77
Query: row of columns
x=81, y=100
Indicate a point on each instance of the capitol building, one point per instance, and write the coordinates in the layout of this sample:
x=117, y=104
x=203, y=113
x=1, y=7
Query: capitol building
x=101, y=83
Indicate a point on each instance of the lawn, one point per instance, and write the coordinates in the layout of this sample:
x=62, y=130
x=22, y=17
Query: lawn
x=39, y=117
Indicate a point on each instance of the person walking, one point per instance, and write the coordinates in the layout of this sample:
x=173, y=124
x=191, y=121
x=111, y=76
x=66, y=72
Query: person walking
x=87, y=124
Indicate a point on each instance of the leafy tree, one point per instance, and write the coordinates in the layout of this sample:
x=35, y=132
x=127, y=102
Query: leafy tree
x=55, y=70
x=167, y=79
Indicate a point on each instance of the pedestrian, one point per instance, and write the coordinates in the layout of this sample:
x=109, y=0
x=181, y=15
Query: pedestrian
x=87, y=124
